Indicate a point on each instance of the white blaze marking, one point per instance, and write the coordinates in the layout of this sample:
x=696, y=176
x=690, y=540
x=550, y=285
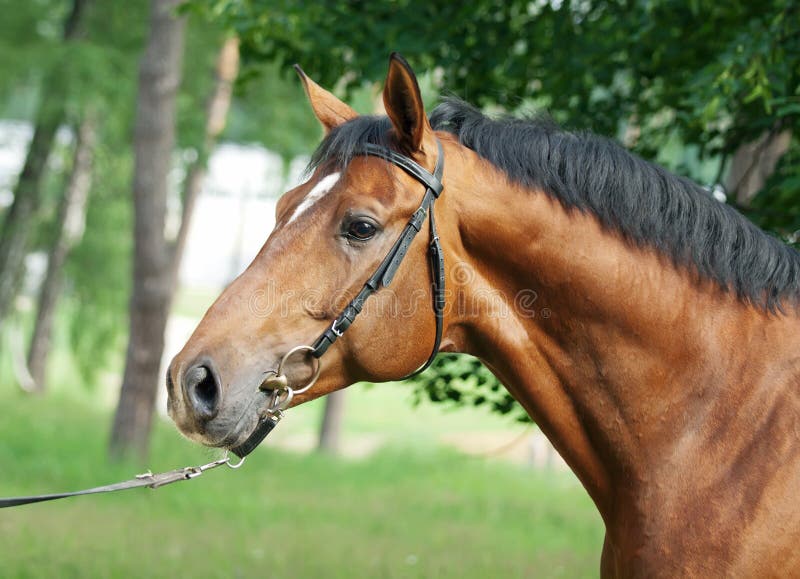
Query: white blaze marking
x=325, y=184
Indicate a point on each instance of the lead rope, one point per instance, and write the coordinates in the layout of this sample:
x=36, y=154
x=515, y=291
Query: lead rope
x=147, y=479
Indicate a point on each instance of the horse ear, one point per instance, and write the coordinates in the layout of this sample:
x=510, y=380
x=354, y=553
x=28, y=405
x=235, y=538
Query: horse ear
x=330, y=111
x=403, y=103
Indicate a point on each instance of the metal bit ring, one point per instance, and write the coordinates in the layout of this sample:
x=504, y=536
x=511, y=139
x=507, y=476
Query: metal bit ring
x=281, y=399
x=316, y=364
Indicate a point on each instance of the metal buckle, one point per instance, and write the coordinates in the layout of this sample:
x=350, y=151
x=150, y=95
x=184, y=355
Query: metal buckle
x=196, y=471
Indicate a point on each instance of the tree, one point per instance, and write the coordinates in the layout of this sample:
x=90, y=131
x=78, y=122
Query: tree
x=154, y=139
x=70, y=225
x=156, y=258
x=15, y=235
x=95, y=306
x=330, y=431
x=101, y=76
x=217, y=108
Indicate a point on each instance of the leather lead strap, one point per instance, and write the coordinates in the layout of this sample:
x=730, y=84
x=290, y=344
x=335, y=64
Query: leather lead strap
x=153, y=481
x=148, y=479
x=384, y=275
x=264, y=427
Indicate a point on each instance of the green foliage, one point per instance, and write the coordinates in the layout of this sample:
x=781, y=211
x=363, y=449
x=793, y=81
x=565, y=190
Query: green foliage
x=777, y=208
x=202, y=44
x=98, y=269
x=99, y=73
x=96, y=73
x=30, y=38
x=462, y=380
x=271, y=108
x=714, y=67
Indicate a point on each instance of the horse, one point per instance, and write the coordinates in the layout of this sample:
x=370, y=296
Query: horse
x=651, y=331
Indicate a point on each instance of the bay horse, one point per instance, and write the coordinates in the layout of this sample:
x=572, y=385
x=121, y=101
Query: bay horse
x=652, y=332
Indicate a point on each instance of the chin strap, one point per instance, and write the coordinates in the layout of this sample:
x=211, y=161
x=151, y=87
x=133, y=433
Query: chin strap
x=267, y=423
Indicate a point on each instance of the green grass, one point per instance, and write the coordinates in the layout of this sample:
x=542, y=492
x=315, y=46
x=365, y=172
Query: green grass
x=408, y=511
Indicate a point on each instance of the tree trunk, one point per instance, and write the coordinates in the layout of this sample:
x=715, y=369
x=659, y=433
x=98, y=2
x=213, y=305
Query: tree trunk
x=71, y=223
x=157, y=262
x=154, y=139
x=754, y=162
x=14, y=236
x=219, y=103
x=332, y=419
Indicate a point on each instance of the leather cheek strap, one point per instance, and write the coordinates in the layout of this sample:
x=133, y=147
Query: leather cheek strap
x=386, y=271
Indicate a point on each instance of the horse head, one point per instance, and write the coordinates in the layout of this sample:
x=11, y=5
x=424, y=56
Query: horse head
x=331, y=233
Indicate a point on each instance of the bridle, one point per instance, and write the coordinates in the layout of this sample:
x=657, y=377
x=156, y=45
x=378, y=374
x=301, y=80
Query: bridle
x=277, y=383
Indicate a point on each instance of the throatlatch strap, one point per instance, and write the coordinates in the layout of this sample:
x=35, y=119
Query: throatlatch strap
x=436, y=257
x=386, y=271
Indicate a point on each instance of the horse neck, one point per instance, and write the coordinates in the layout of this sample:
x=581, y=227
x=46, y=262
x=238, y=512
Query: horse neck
x=615, y=353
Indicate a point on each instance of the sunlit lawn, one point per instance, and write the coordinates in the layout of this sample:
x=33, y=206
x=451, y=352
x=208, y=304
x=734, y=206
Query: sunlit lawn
x=408, y=511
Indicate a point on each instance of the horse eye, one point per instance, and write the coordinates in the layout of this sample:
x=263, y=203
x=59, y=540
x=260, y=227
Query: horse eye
x=361, y=230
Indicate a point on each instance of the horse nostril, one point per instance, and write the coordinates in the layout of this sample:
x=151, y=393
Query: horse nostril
x=203, y=391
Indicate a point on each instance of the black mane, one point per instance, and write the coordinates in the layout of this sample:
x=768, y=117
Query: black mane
x=645, y=203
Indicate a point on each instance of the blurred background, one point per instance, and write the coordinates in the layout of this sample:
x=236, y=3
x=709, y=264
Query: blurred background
x=143, y=146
